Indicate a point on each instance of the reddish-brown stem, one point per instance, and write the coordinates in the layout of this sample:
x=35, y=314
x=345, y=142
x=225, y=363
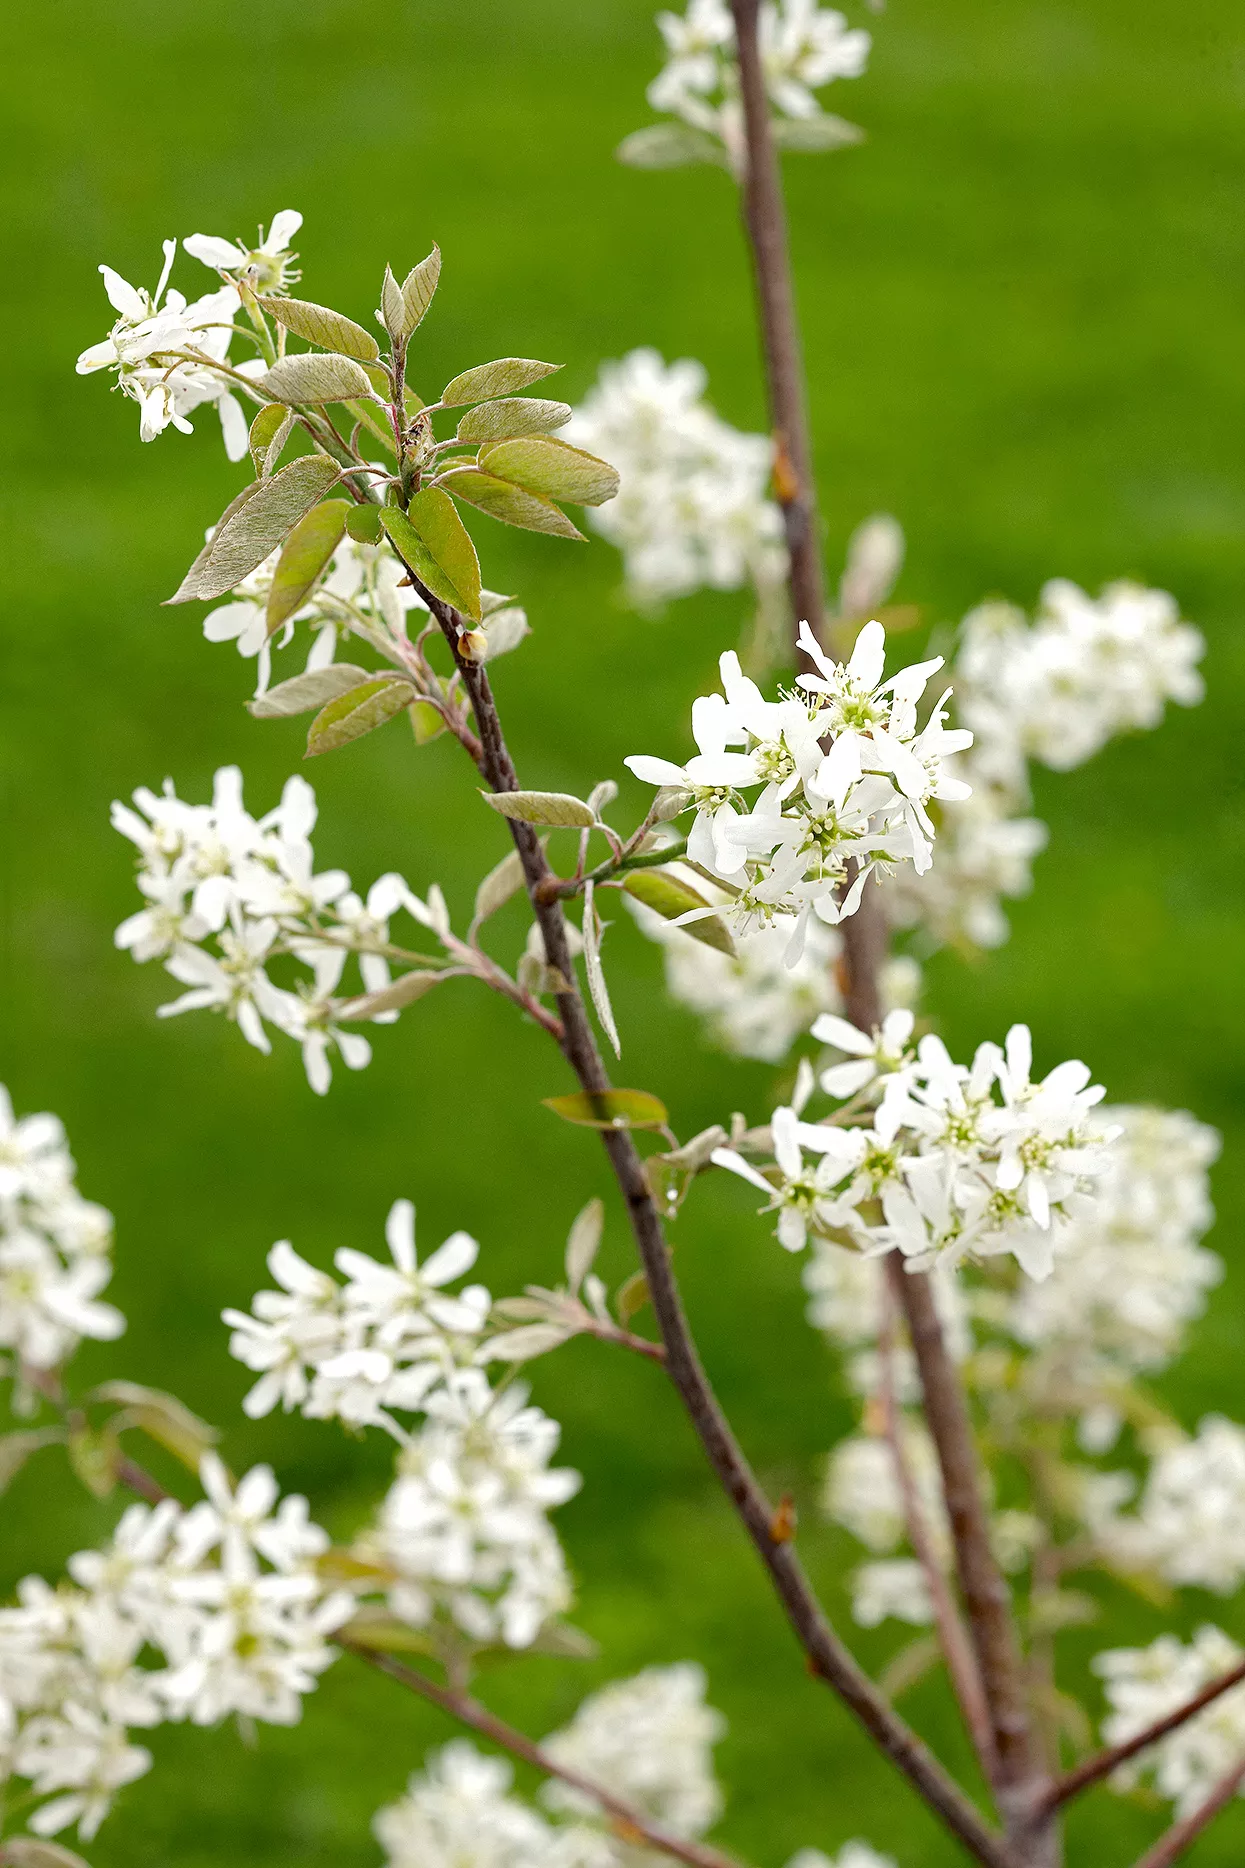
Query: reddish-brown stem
x=1102, y=1765
x=633, y=1824
x=1172, y=1845
x=828, y=1657
x=953, y=1636
x=765, y=220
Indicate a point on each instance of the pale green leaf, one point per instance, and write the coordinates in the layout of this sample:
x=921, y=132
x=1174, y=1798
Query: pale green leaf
x=670, y=897
x=500, y=378
x=610, y=1109
x=583, y=1243
x=306, y=692
x=375, y=1628
x=269, y=433
x=315, y=377
x=437, y=546
x=360, y=710
x=530, y=1339
x=363, y=524
x=392, y=310
x=504, y=631
x=94, y=1456
x=36, y=1852
x=375, y=421
x=321, y=326
x=811, y=134
x=16, y=1449
x=427, y=723
x=565, y=1641
x=509, y=503
x=162, y=1417
x=418, y=287
x=542, y=807
x=670, y=146
x=595, y=971
x=553, y=469
x=498, y=886
x=631, y=1296
x=305, y=554
x=404, y=991
x=514, y=415
x=255, y=523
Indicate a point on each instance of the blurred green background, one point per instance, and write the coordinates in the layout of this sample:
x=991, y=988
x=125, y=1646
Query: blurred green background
x=1022, y=302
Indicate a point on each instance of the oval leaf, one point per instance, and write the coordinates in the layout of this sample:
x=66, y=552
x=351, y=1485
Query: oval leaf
x=312, y=378
x=501, y=378
x=163, y=1417
x=437, y=546
x=501, y=500
x=418, y=287
x=530, y=1339
x=392, y=998
x=669, y=897
x=610, y=1109
x=361, y=710
x=375, y=1628
x=34, y=1852
x=497, y=887
x=515, y=415
x=321, y=326
x=364, y=526
x=269, y=433
x=542, y=807
x=255, y=523
x=670, y=146
x=816, y=133
x=304, y=693
x=596, y=972
x=555, y=469
x=307, y=551
x=583, y=1243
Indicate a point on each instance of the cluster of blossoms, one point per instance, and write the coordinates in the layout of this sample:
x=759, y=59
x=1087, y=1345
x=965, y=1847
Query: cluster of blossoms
x=944, y=1169
x=462, y=1540
x=845, y=780
x=1055, y=691
x=228, y=894
x=169, y=356
x=54, y=1248
x=225, y=1595
x=804, y=46
x=1143, y=1685
x=693, y=508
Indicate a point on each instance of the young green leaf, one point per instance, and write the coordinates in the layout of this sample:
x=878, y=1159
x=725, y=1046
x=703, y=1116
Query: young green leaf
x=513, y=415
x=542, y=807
x=426, y=722
x=503, y=631
x=162, y=1417
x=392, y=310
x=670, y=146
x=269, y=433
x=329, y=329
x=497, y=887
x=375, y=1629
x=307, y=692
x=609, y=1109
x=360, y=710
x=631, y=1296
x=391, y=998
x=374, y=420
x=315, y=377
x=501, y=378
x=583, y=1243
x=435, y=543
x=670, y=897
x=501, y=500
x=36, y=1852
x=94, y=1457
x=539, y=464
x=812, y=134
x=16, y=1449
x=305, y=554
x=255, y=523
x=595, y=971
x=363, y=524
x=530, y=1339
x=418, y=287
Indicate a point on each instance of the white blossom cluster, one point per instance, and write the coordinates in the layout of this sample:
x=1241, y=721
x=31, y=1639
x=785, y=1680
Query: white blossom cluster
x=1189, y=1525
x=647, y=1741
x=227, y=895
x=463, y=1539
x=946, y=1168
x=693, y=507
x=224, y=1596
x=804, y=46
x=845, y=780
x=1056, y=691
x=54, y=1247
x=169, y=356
x=852, y=1855
x=1143, y=1685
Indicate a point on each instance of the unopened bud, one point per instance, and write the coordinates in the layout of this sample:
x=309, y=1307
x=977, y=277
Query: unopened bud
x=473, y=645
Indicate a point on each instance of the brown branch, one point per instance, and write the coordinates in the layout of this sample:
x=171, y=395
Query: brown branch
x=1096, y=1768
x=632, y=1823
x=1172, y=1845
x=828, y=1656
x=952, y=1635
x=765, y=221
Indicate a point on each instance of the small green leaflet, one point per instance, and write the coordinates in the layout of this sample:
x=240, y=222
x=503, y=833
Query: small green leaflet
x=315, y=377
x=391, y=998
x=511, y=504
x=306, y=552
x=321, y=326
x=436, y=545
x=669, y=897
x=514, y=415
x=542, y=807
x=360, y=710
x=501, y=378
x=306, y=693
x=540, y=464
x=610, y=1109
x=418, y=287
x=255, y=523
x=670, y=146
x=162, y=1417
x=596, y=973
x=363, y=524
x=269, y=433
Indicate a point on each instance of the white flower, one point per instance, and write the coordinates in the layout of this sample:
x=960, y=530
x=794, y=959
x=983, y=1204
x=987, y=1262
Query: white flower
x=895, y=1589
x=851, y=1855
x=457, y=1813
x=1190, y=1523
x=862, y=1489
x=804, y=1197
x=267, y=267
x=1144, y=1684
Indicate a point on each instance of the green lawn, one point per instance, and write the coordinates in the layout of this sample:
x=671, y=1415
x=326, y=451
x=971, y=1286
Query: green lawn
x=1023, y=307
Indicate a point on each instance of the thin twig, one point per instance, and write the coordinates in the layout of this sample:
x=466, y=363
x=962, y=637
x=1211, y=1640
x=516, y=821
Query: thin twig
x=632, y=1823
x=952, y=1634
x=1105, y=1762
x=1172, y=1845
x=828, y=1657
x=765, y=220
x=625, y=1339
